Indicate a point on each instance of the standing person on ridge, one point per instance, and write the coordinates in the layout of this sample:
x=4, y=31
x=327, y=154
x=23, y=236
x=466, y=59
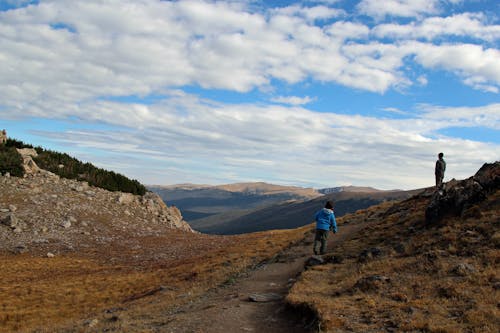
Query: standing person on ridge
x=325, y=221
x=439, y=171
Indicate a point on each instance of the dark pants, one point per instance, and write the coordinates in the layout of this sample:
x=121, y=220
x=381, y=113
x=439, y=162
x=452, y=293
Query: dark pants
x=320, y=238
x=439, y=181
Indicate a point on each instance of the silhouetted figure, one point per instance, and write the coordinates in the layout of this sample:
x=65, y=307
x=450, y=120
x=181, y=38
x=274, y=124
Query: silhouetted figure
x=325, y=221
x=439, y=171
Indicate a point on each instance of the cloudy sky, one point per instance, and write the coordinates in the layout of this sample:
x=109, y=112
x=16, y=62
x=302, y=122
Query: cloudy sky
x=312, y=93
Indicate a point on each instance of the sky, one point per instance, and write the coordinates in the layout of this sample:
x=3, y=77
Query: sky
x=313, y=93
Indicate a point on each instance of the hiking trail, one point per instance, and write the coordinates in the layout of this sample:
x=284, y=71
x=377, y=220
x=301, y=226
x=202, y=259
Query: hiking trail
x=229, y=309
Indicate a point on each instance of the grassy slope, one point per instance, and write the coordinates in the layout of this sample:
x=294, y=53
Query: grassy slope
x=60, y=293
x=420, y=286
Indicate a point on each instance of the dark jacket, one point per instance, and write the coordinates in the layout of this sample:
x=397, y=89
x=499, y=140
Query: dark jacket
x=440, y=167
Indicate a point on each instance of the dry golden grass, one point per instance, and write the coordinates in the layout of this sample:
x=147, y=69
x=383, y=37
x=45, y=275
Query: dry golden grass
x=419, y=288
x=50, y=294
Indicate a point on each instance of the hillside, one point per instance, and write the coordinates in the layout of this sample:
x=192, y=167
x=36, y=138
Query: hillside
x=18, y=158
x=427, y=264
x=219, y=202
x=293, y=214
x=74, y=257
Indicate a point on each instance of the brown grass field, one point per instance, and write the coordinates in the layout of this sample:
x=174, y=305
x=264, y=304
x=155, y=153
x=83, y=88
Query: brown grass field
x=65, y=293
x=423, y=278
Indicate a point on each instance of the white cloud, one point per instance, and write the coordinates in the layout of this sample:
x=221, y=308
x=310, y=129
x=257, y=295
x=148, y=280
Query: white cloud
x=199, y=137
x=422, y=80
x=310, y=13
x=477, y=66
x=64, y=59
x=403, y=8
x=293, y=100
x=473, y=25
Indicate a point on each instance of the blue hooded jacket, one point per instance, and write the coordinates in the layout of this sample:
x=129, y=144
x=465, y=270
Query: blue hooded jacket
x=325, y=220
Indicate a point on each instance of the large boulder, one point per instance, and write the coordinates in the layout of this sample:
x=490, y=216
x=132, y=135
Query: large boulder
x=30, y=167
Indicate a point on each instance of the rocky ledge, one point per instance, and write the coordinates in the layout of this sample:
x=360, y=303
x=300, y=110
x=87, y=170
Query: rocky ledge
x=459, y=197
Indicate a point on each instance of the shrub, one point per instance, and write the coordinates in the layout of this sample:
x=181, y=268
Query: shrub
x=66, y=166
x=11, y=161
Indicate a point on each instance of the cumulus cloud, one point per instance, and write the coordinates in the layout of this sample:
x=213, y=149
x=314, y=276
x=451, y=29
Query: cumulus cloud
x=63, y=59
x=479, y=67
x=241, y=142
x=293, y=100
x=401, y=8
x=472, y=25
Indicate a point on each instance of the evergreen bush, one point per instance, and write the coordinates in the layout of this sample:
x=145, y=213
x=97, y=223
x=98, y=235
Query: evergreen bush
x=10, y=161
x=66, y=166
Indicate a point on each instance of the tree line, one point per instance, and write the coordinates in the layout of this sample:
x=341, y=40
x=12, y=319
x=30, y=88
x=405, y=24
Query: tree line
x=66, y=166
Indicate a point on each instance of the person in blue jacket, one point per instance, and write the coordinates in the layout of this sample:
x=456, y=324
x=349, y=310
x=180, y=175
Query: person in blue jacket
x=325, y=221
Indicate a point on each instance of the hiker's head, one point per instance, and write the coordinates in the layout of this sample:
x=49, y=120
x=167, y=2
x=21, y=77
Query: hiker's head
x=440, y=155
x=329, y=204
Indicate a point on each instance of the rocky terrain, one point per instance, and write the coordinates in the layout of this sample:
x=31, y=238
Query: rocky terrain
x=43, y=208
x=427, y=264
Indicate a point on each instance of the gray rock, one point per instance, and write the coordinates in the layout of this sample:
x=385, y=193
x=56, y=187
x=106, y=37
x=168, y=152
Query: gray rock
x=371, y=283
x=463, y=269
x=314, y=260
x=12, y=208
x=66, y=224
x=10, y=221
x=268, y=297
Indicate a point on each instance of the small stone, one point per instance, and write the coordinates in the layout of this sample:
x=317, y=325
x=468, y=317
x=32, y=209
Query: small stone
x=92, y=323
x=20, y=249
x=10, y=221
x=314, y=260
x=261, y=298
x=463, y=269
x=66, y=224
x=50, y=255
x=12, y=208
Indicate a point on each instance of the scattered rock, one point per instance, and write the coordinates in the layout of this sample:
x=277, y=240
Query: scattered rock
x=371, y=283
x=10, y=221
x=463, y=269
x=12, y=208
x=50, y=255
x=91, y=323
x=269, y=297
x=126, y=198
x=19, y=249
x=334, y=259
x=314, y=260
x=369, y=254
x=66, y=224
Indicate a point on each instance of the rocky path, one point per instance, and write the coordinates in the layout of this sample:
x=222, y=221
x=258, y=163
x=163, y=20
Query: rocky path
x=230, y=308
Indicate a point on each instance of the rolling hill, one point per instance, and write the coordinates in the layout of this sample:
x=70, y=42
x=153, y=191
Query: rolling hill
x=287, y=215
x=232, y=200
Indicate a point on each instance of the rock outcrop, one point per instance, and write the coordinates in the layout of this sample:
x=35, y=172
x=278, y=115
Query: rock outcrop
x=42, y=207
x=29, y=165
x=458, y=196
x=3, y=136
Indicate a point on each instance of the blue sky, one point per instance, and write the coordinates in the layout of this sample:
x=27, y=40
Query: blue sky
x=312, y=93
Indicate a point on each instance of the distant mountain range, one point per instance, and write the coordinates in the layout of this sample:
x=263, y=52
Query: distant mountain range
x=248, y=207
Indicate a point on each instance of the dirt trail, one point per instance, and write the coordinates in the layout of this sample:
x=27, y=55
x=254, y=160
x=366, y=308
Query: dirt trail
x=228, y=308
